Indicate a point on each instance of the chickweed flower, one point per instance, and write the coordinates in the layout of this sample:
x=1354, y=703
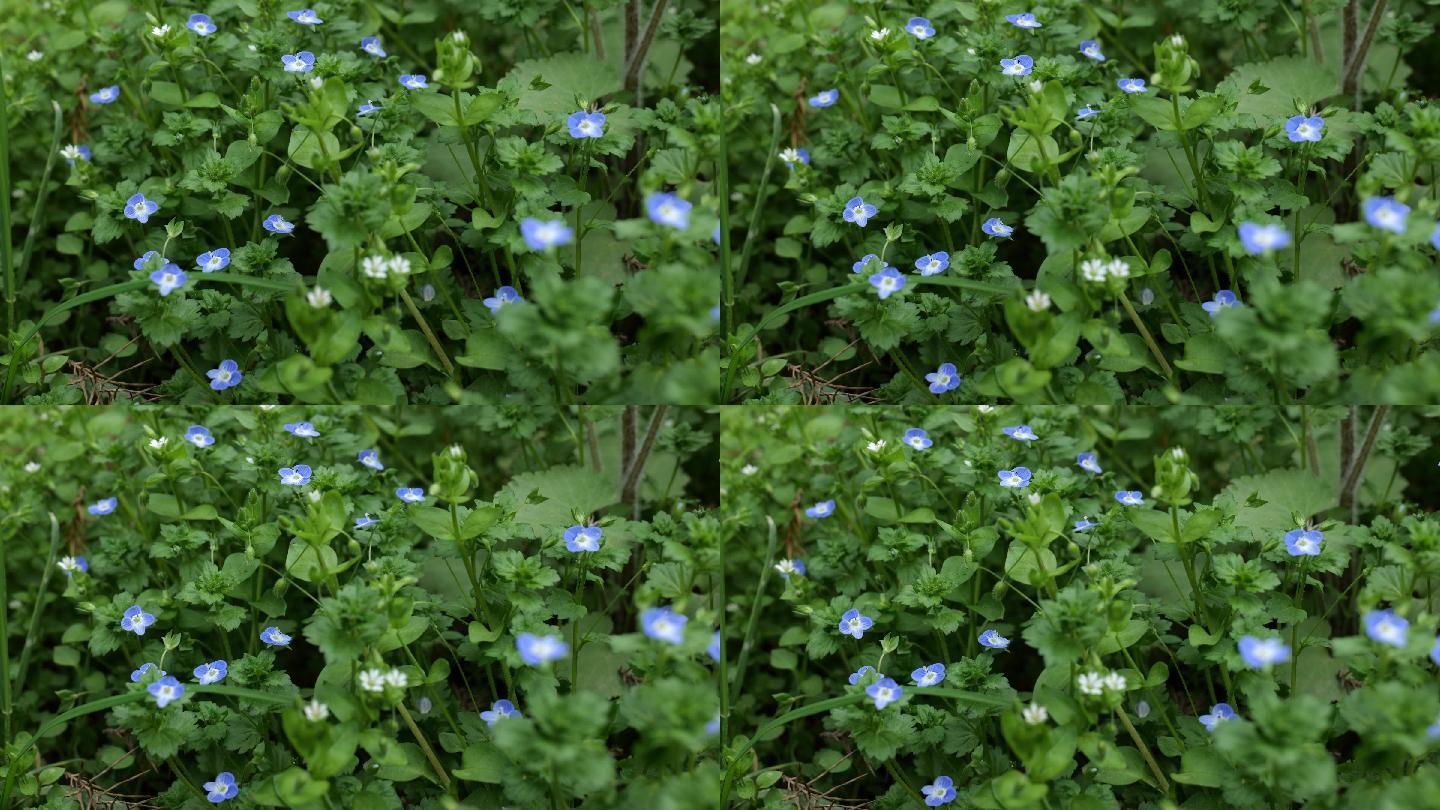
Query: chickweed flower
x=995, y=227
x=499, y=710
x=297, y=476
x=74, y=152
x=943, y=379
x=1115, y=682
x=1219, y=713
x=1259, y=653
x=939, y=792
x=1303, y=542
x=795, y=154
x=397, y=679
x=1131, y=85
x=928, y=675
x=754, y=59
x=1034, y=714
x=139, y=209
x=664, y=624
x=1037, y=301
x=822, y=509
x=887, y=282
x=789, y=568
x=885, y=692
x=199, y=435
x=853, y=624
x=72, y=564
x=273, y=637
x=1386, y=213
x=226, y=375
x=933, y=264
x=1386, y=627
x=858, y=211
x=201, y=24
x=586, y=124
x=319, y=298
x=1224, y=299
x=583, y=538
x=1091, y=683
x=315, y=711
x=1090, y=49
x=879, y=35
x=825, y=98
x=669, y=210
x=372, y=680
x=136, y=620
x=35, y=56
x=278, y=224
x=1026, y=20
x=372, y=46
x=104, y=506
x=1301, y=128
x=212, y=672
x=166, y=690
x=1019, y=66
x=105, y=95
x=920, y=28
x=1020, y=433
x=992, y=639
x=1130, y=497
x=1259, y=239
x=544, y=234
x=305, y=16
x=302, y=62
x=536, y=650
x=1018, y=478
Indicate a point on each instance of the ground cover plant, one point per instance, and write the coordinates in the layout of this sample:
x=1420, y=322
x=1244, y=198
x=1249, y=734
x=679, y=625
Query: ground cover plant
x=246, y=201
x=337, y=607
x=1163, y=201
x=1046, y=607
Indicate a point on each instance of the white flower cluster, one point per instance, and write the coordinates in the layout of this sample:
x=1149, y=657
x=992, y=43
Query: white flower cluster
x=375, y=680
x=1093, y=683
x=380, y=268
x=1098, y=271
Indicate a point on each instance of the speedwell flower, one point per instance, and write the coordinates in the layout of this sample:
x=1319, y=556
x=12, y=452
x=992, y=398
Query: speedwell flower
x=304, y=430
x=138, y=674
x=414, y=81
x=822, y=509
x=139, y=209
x=371, y=459
x=536, y=650
x=105, y=95
x=226, y=375
x=1026, y=20
x=583, y=538
x=278, y=224
x=943, y=379
x=136, y=620
x=858, y=211
x=369, y=107
x=302, y=62
x=664, y=624
x=1224, y=299
x=1085, y=524
x=917, y=438
x=72, y=564
x=1300, y=128
x=543, y=234
x=305, y=16
x=669, y=210
x=920, y=28
x=1219, y=713
x=1086, y=112
x=992, y=639
x=499, y=710
x=1386, y=213
x=866, y=259
x=1131, y=85
x=941, y=791
x=887, y=282
x=365, y=520
x=74, y=152
x=297, y=476
x=1259, y=239
x=586, y=124
x=1090, y=49
x=199, y=435
x=1130, y=497
x=104, y=506
x=1386, y=627
x=1020, y=433
x=1019, y=66
x=212, y=672
x=1088, y=463
x=788, y=568
x=165, y=690
x=1018, y=478
x=169, y=278
x=410, y=494
x=853, y=624
x=1262, y=652
x=929, y=676
x=201, y=24
x=860, y=673
x=222, y=789
x=885, y=692
x=372, y=46
x=995, y=227
x=275, y=638
x=212, y=260
x=933, y=263
x=1303, y=542
x=825, y=98
x=504, y=295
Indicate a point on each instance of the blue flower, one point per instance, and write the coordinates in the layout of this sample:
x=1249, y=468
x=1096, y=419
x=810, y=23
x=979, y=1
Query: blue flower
x=302, y=62
x=1085, y=524
x=792, y=156
x=1259, y=239
x=201, y=24
x=1020, y=433
x=858, y=211
x=886, y=282
x=169, y=279
x=371, y=459
x=1433, y=730
x=1219, y=713
x=995, y=227
x=410, y=494
x=105, y=95
x=297, y=476
x=75, y=152
x=933, y=263
x=583, y=538
x=544, y=234
x=866, y=259
x=136, y=620
x=885, y=692
x=586, y=125
x=1130, y=497
x=992, y=639
x=504, y=295
x=211, y=672
x=860, y=673
x=165, y=690
x=104, y=506
x=822, y=509
x=1086, y=112
x=825, y=98
x=1303, y=542
x=222, y=788
x=1090, y=49
x=364, y=521
x=1131, y=85
x=305, y=16
x=1301, y=128
x=371, y=45
x=499, y=710
x=853, y=624
x=943, y=379
x=928, y=676
x=1026, y=20
x=1224, y=299
x=217, y=259
x=536, y=650
x=941, y=791
x=72, y=564
x=369, y=107
x=275, y=638
x=277, y=224
x=919, y=27
x=1088, y=463
x=788, y=568
x=199, y=435
x=1259, y=652
x=140, y=263
x=304, y=430
x=413, y=81
x=664, y=624
x=139, y=209
x=226, y=375
x=1019, y=66
x=136, y=675
x=1434, y=651
x=1386, y=214
x=1018, y=478
x=1386, y=627
x=917, y=438
x=669, y=210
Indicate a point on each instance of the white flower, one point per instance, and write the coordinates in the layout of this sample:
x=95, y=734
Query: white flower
x=1118, y=268
x=375, y=267
x=880, y=35
x=749, y=469
x=372, y=680
x=315, y=711
x=34, y=56
x=317, y=82
x=1034, y=498
x=319, y=298
x=876, y=446
x=68, y=564
x=984, y=408
x=1093, y=270
x=1035, y=714
x=1089, y=683
x=970, y=51
x=399, y=265
x=456, y=450
x=1115, y=681
x=160, y=31
x=32, y=467
x=396, y=678
x=753, y=59
x=458, y=36
x=71, y=153
x=1036, y=86
x=1177, y=452
x=314, y=495
x=1177, y=40
x=1037, y=301
x=157, y=444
